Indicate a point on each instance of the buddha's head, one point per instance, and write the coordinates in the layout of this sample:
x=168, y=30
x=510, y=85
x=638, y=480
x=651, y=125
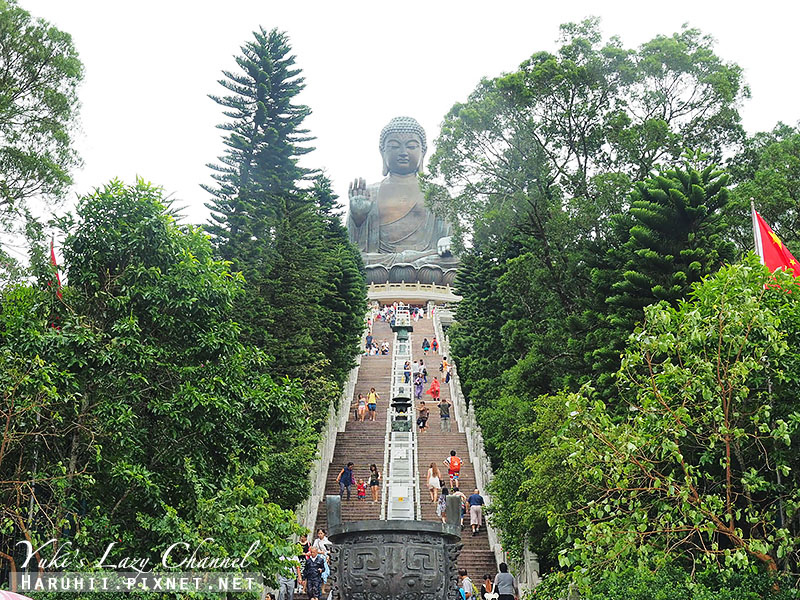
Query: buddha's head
x=402, y=146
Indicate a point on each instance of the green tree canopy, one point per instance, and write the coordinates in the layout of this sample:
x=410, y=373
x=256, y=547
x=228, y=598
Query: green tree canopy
x=133, y=411
x=575, y=207
x=304, y=297
x=38, y=107
x=264, y=139
x=768, y=171
x=582, y=124
x=701, y=470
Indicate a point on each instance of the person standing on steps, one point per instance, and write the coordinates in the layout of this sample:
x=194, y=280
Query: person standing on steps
x=422, y=420
x=322, y=543
x=326, y=573
x=361, y=408
x=445, y=369
x=407, y=371
x=374, y=482
x=465, y=587
x=441, y=507
x=362, y=490
x=434, y=482
x=372, y=403
x=312, y=574
x=435, y=390
x=486, y=587
x=426, y=346
x=505, y=585
x=435, y=345
x=453, y=463
x=476, y=503
x=418, y=386
x=305, y=552
x=458, y=493
x=423, y=370
x=346, y=478
x=287, y=582
x=444, y=415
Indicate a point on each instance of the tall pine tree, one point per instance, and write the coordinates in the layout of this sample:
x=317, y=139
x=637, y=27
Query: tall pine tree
x=305, y=294
x=264, y=141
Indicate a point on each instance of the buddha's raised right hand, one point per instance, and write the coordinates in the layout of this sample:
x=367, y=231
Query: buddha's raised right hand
x=360, y=202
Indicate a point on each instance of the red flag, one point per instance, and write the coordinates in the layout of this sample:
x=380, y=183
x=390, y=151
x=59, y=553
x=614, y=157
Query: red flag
x=55, y=265
x=771, y=249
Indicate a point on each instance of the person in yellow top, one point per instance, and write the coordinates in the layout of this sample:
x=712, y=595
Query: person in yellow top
x=372, y=403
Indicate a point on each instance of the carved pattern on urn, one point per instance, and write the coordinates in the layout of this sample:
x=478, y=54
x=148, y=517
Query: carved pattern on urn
x=402, y=566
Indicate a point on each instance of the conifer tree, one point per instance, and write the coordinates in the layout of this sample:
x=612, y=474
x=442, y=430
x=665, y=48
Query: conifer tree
x=264, y=141
x=304, y=296
x=677, y=235
x=344, y=300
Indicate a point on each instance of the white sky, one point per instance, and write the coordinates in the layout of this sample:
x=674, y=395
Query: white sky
x=150, y=65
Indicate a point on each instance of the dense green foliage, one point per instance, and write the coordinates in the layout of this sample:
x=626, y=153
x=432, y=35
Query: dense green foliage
x=768, y=171
x=584, y=189
x=38, y=104
x=265, y=139
x=133, y=405
x=677, y=235
x=39, y=73
x=703, y=464
x=702, y=470
x=674, y=583
x=535, y=166
x=177, y=391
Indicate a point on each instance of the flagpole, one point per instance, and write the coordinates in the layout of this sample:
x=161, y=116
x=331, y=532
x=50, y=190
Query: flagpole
x=756, y=232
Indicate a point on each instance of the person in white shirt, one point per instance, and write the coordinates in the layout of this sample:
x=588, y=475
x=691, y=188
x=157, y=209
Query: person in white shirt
x=322, y=543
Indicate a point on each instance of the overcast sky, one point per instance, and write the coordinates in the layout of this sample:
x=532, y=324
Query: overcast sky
x=149, y=67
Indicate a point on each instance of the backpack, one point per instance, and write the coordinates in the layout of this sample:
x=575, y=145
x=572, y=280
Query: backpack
x=475, y=593
x=455, y=463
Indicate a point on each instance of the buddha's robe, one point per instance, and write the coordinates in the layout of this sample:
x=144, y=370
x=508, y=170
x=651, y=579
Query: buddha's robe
x=399, y=228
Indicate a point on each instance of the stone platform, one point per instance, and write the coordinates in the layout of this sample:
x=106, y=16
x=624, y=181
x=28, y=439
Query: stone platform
x=412, y=293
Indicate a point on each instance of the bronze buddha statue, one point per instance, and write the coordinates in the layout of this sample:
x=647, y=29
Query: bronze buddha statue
x=388, y=220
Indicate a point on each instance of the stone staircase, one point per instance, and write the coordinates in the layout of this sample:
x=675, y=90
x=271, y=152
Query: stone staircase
x=433, y=446
x=362, y=443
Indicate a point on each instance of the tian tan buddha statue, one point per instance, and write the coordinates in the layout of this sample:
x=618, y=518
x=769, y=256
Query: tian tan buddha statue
x=389, y=221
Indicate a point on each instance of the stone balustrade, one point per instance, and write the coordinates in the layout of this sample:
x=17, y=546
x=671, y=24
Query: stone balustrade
x=527, y=573
x=338, y=414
